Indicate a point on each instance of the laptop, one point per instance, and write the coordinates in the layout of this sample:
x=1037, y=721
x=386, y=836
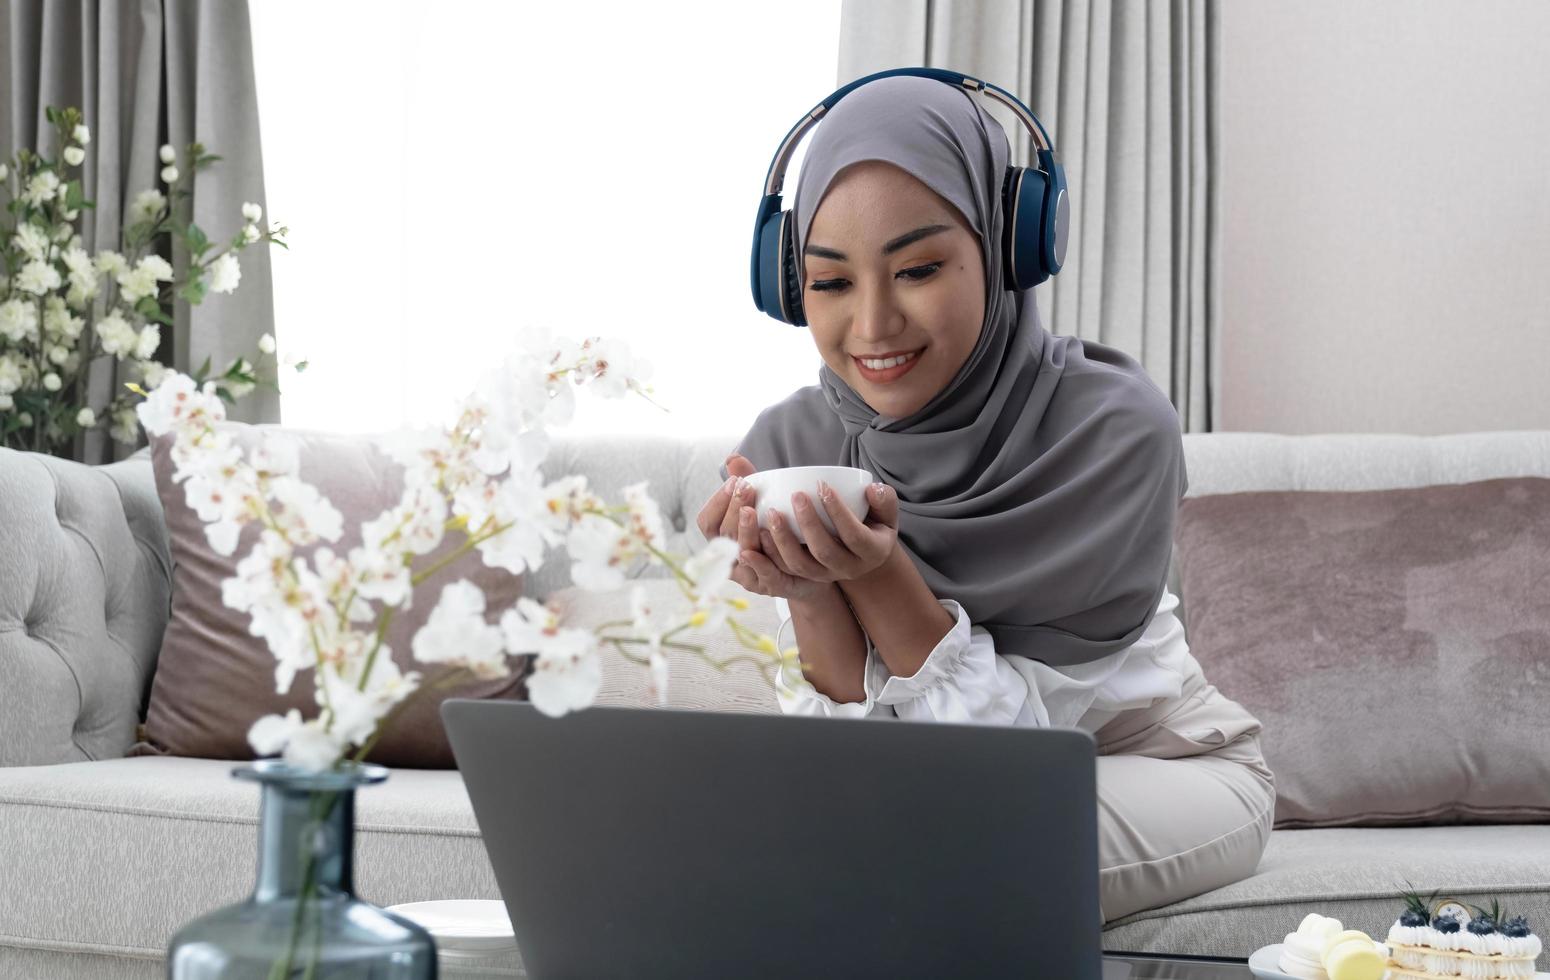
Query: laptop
x=656, y=843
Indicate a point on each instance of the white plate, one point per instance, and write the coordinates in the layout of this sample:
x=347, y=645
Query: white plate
x=463, y=926
x=1263, y=964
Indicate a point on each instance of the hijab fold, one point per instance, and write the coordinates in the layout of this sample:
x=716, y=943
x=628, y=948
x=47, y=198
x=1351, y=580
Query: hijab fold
x=1039, y=487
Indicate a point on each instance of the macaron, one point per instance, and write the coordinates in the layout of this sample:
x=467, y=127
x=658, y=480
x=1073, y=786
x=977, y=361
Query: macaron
x=1356, y=959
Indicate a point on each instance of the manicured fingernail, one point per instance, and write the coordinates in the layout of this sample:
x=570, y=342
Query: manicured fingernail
x=737, y=486
x=774, y=517
x=825, y=492
x=746, y=517
x=727, y=486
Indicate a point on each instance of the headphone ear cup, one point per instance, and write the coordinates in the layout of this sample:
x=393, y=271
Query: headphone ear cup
x=790, y=275
x=773, y=263
x=1022, y=243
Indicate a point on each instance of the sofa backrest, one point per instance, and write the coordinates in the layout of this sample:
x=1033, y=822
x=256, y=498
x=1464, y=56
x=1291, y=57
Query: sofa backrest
x=85, y=579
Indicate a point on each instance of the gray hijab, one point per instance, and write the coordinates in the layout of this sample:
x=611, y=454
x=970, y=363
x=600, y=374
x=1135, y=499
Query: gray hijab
x=1039, y=487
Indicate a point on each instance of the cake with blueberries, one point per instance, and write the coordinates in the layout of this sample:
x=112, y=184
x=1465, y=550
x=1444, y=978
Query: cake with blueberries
x=1428, y=945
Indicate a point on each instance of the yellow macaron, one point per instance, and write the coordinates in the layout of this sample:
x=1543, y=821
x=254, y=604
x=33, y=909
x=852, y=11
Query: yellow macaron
x=1357, y=958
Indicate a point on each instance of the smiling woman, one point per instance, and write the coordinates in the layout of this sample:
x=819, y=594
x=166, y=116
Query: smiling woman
x=895, y=315
x=454, y=173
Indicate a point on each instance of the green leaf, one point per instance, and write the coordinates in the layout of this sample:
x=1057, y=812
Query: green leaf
x=301, y=365
x=197, y=241
x=194, y=290
x=204, y=369
x=225, y=395
x=74, y=196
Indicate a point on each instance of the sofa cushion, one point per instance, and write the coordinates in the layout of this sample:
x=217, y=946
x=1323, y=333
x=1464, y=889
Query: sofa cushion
x=1354, y=874
x=214, y=678
x=1395, y=644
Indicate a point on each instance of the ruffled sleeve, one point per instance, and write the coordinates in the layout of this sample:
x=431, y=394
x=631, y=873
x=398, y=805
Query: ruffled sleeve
x=964, y=680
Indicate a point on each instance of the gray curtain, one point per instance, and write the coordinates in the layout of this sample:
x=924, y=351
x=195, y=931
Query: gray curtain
x=144, y=73
x=1129, y=94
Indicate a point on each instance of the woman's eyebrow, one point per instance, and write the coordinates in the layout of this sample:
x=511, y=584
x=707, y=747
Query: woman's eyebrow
x=908, y=238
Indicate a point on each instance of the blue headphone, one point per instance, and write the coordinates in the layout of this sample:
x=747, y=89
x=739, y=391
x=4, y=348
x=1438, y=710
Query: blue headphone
x=1033, y=199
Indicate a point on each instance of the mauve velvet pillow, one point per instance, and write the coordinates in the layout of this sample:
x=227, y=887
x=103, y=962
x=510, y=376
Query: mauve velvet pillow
x=1395, y=644
x=214, y=679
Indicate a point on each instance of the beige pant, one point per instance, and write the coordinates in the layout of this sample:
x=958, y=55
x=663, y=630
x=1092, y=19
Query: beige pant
x=1185, y=801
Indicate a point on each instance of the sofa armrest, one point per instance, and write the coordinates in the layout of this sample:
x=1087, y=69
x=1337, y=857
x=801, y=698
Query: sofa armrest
x=85, y=593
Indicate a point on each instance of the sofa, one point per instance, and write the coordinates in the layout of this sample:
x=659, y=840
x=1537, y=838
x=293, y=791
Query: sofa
x=102, y=857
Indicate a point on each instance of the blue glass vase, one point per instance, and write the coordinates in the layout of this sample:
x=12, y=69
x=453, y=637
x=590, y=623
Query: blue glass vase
x=303, y=919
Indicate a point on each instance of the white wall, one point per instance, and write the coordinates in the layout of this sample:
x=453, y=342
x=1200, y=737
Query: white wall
x=1386, y=215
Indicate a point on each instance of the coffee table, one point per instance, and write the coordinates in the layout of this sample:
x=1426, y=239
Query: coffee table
x=1148, y=966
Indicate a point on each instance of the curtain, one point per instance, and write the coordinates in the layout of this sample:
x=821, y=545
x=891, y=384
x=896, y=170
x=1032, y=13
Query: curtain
x=144, y=73
x=1128, y=92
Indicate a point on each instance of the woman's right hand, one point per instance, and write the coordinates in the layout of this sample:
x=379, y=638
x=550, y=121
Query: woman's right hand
x=730, y=513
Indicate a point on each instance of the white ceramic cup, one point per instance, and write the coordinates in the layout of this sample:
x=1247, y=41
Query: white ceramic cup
x=773, y=488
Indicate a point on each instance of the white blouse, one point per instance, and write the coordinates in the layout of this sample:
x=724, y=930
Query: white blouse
x=965, y=680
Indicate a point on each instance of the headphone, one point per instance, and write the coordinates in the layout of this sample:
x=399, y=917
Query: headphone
x=1036, y=209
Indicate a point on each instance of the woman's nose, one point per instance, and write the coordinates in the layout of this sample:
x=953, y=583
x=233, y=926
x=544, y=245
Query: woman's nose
x=877, y=316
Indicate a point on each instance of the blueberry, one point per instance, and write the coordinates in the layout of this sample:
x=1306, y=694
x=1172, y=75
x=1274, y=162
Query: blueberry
x=1516, y=927
x=1446, y=923
x=1410, y=917
x=1482, y=926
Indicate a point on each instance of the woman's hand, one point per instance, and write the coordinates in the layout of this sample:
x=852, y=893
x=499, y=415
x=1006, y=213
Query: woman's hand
x=730, y=514
x=859, y=549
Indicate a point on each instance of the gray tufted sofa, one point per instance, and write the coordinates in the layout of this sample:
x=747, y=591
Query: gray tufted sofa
x=102, y=857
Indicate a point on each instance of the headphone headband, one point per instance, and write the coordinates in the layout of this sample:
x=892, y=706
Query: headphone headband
x=776, y=177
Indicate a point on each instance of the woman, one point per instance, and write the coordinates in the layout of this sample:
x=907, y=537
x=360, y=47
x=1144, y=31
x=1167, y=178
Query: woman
x=1012, y=567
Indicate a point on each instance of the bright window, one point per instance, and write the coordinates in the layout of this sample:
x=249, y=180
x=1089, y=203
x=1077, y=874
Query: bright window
x=452, y=171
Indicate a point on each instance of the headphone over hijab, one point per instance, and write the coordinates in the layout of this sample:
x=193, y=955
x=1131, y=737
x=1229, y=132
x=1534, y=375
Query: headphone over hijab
x=1040, y=486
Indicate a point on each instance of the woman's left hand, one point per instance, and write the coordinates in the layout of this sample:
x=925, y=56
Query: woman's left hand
x=859, y=548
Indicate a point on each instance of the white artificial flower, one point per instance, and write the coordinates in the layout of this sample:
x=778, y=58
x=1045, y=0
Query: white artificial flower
x=266, y=343
x=57, y=354
x=610, y=368
x=649, y=621
x=711, y=583
x=51, y=381
x=252, y=212
x=18, y=320
x=139, y=282
x=167, y=153
x=24, y=419
x=7, y=403
x=566, y=675
x=32, y=241
x=306, y=744
x=4, y=171
x=81, y=134
x=177, y=402
x=38, y=278
x=169, y=175
x=251, y=234
x=74, y=155
x=58, y=321
x=117, y=335
x=152, y=373
x=225, y=272
x=150, y=340
x=85, y=418
x=125, y=427
x=10, y=375
x=78, y=262
x=146, y=207
x=110, y=263
x=305, y=514
x=602, y=551
x=158, y=266
x=269, y=734
x=41, y=188
x=456, y=633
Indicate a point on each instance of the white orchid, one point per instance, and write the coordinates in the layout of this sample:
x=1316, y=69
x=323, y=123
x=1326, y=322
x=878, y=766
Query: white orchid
x=480, y=477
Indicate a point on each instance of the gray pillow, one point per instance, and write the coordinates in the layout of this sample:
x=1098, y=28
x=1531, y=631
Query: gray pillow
x=1395, y=644
x=214, y=679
